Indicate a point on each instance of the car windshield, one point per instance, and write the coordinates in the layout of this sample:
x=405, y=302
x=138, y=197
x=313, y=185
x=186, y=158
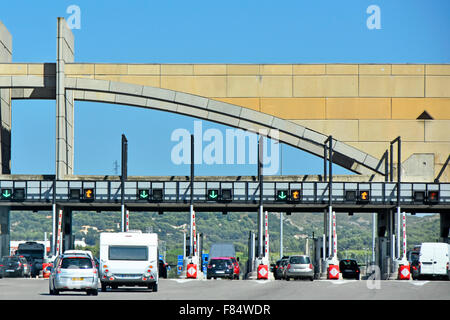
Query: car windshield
x=139, y=253
x=299, y=260
x=76, y=263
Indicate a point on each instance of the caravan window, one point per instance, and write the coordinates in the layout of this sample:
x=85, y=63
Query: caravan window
x=128, y=253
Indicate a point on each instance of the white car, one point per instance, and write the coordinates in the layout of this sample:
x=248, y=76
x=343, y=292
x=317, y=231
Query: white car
x=74, y=272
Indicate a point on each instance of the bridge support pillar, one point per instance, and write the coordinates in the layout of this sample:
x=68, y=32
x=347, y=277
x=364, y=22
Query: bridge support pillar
x=4, y=231
x=62, y=230
x=64, y=103
x=5, y=104
x=445, y=226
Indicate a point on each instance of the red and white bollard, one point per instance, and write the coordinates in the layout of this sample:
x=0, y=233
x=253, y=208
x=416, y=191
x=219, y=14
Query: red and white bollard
x=191, y=271
x=333, y=272
x=404, y=272
x=263, y=272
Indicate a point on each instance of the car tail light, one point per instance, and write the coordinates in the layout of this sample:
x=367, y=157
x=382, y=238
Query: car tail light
x=209, y=266
x=289, y=266
x=357, y=271
x=111, y=278
x=230, y=266
x=310, y=266
x=447, y=265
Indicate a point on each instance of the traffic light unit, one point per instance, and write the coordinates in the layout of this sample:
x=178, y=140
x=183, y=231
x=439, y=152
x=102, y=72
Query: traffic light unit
x=294, y=195
x=12, y=194
x=77, y=194
x=219, y=195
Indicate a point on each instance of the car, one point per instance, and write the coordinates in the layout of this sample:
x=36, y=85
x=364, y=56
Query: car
x=162, y=269
x=349, y=269
x=221, y=267
x=16, y=266
x=278, y=269
x=299, y=266
x=236, y=267
x=74, y=272
x=283, y=266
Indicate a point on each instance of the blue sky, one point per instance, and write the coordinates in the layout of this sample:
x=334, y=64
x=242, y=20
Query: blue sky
x=200, y=32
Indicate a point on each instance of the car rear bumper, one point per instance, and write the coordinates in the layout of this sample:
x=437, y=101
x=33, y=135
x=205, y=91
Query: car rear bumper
x=75, y=285
x=220, y=275
x=300, y=273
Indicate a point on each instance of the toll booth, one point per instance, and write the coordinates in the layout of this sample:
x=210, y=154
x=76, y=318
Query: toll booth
x=319, y=254
x=251, y=252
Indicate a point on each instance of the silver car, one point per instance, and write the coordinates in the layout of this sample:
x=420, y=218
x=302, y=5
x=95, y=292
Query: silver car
x=299, y=267
x=74, y=272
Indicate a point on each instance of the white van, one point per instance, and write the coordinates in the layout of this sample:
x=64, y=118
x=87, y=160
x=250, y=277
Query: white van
x=129, y=259
x=434, y=259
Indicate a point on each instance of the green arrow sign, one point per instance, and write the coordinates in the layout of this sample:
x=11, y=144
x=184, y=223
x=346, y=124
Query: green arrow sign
x=282, y=195
x=6, y=193
x=213, y=194
x=143, y=194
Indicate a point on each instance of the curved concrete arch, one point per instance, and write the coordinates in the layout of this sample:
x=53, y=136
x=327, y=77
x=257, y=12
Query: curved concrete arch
x=106, y=91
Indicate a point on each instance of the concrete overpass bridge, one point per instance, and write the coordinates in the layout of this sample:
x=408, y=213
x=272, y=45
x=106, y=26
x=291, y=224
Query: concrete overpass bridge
x=364, y=107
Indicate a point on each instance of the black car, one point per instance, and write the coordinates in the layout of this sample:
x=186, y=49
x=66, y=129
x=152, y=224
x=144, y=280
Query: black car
x=162, y=269
x=349, y=269
x=15, y=266
x=220, y=268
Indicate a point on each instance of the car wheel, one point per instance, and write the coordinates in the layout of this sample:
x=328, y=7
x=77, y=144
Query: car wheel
x=287, y=278
x=155, y=287
x=103, y=287
x=311, y=279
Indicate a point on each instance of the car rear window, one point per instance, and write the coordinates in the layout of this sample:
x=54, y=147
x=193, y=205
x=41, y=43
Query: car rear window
x=220, y=262
x=76, y=263
x=138, y=253
x=10, y=259
x=349, y=263
x=299, y=260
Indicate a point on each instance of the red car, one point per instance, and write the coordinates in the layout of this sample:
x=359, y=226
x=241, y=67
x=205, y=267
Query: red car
x=236, y=270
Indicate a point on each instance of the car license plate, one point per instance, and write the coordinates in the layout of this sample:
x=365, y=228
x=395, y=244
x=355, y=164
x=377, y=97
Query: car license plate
x=348, y=270
x=220, y=271
x=9, y=270
x=77, y=279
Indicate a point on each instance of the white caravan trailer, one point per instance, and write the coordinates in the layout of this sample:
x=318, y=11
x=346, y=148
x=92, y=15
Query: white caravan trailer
x=129, y=259
x=434, y=259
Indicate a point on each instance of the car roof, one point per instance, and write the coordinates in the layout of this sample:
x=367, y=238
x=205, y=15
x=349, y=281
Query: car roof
x=75, y=255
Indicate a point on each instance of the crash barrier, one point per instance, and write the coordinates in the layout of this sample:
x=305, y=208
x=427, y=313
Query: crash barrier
x=191, y=271
x=263, y=272
x=333, y=271
x=46, y=266
x=404, y=272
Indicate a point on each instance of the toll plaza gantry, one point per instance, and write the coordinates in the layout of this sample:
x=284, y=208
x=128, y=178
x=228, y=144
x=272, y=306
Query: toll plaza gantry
x=220, y=194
